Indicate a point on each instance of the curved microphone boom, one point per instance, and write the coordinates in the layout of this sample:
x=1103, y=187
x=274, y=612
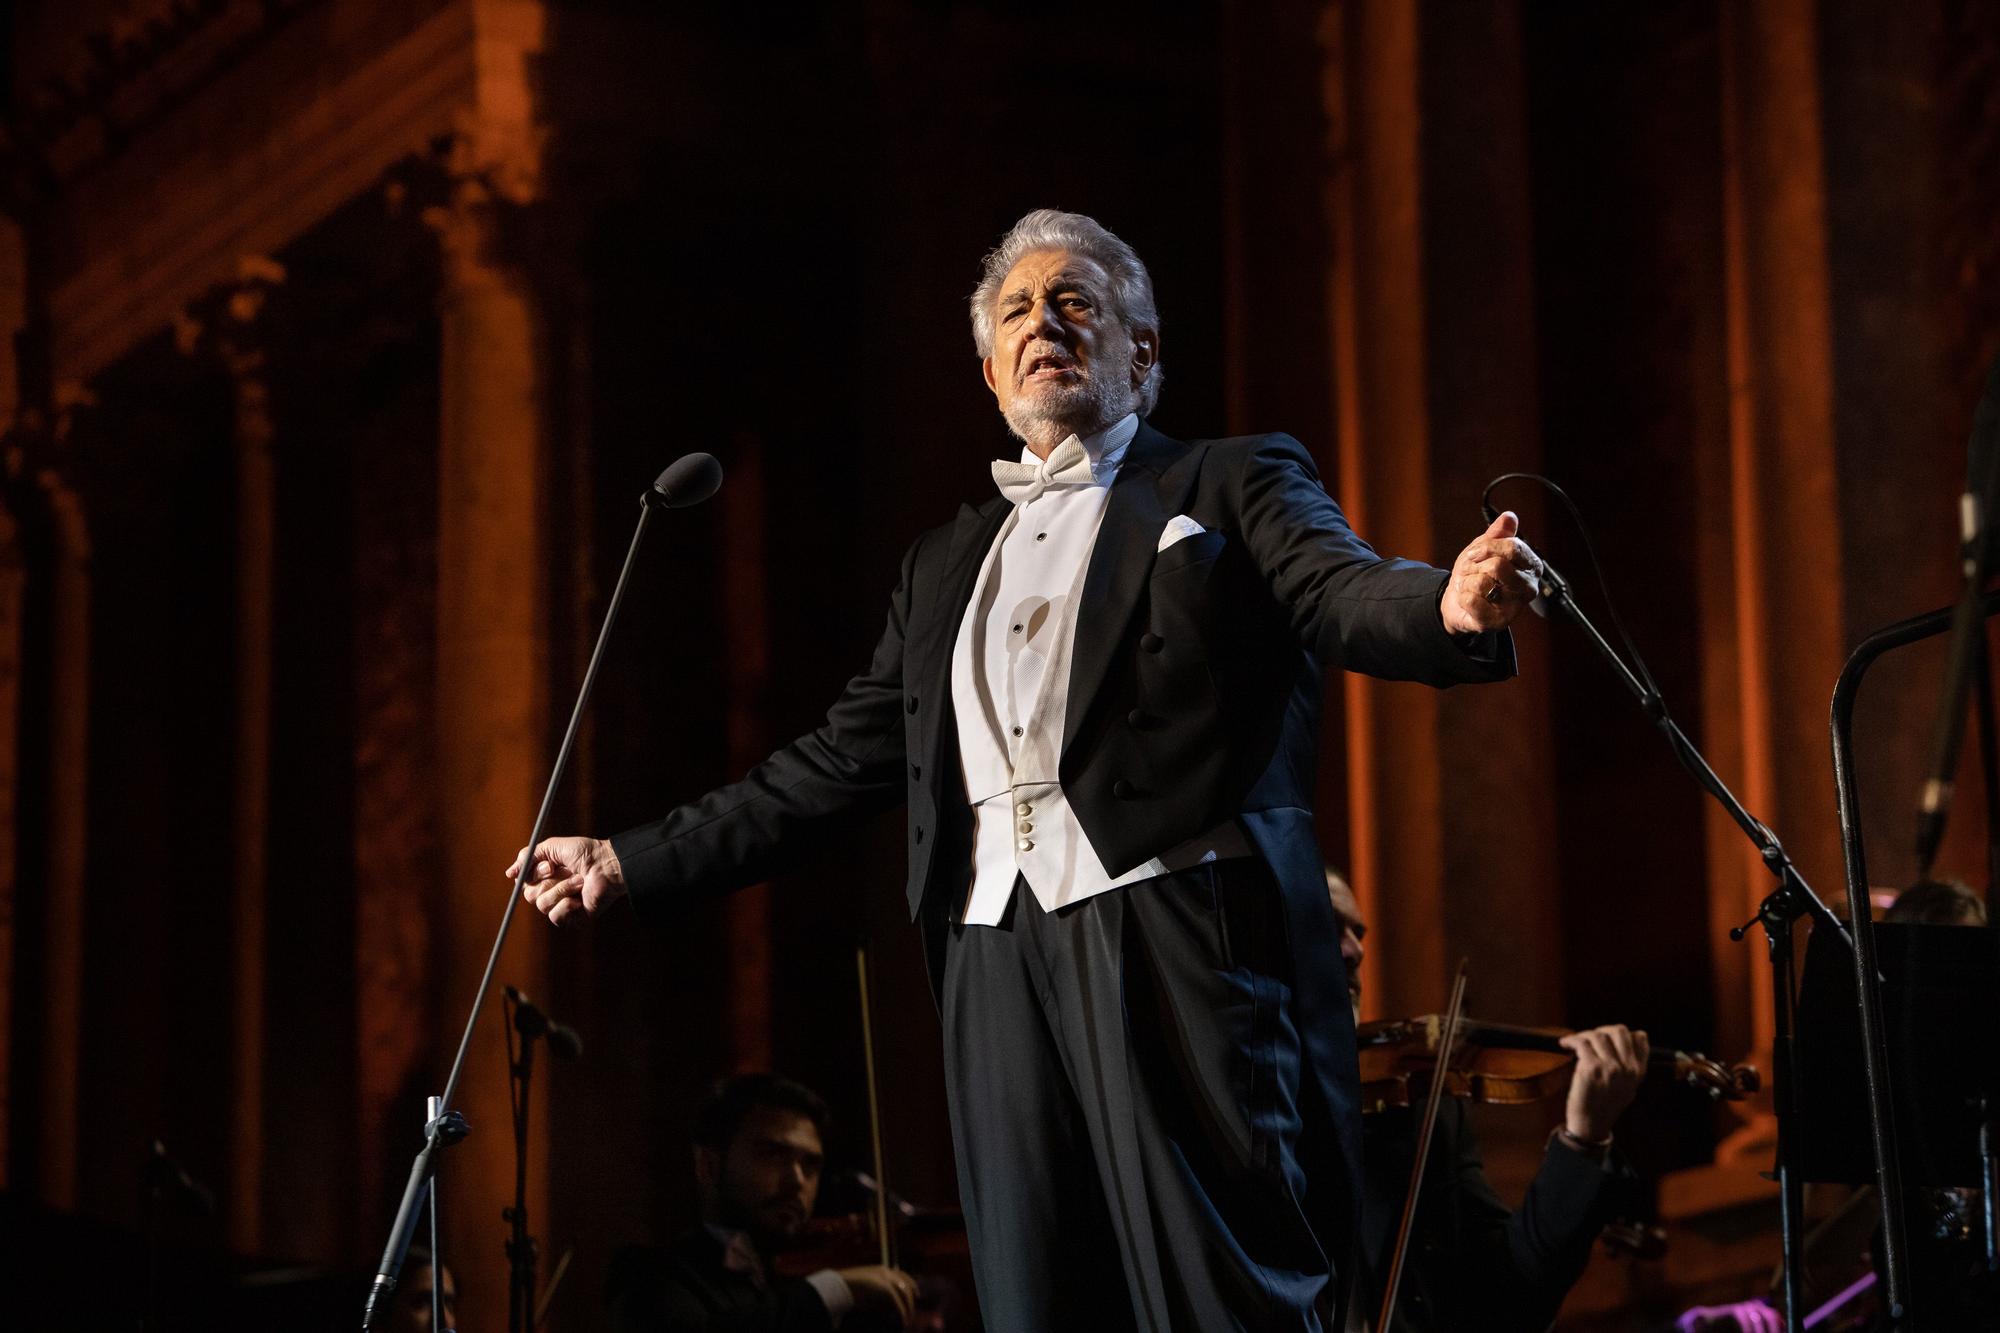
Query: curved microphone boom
x=686, y=481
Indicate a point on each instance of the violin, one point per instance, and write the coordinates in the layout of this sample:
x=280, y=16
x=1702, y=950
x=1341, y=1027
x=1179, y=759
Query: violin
x=930, y=1244
x=1503, y=1064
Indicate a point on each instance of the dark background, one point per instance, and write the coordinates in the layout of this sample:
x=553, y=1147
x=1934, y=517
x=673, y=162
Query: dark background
x=752, y=231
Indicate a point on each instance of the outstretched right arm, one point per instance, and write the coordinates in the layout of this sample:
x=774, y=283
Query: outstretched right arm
x=850, y=765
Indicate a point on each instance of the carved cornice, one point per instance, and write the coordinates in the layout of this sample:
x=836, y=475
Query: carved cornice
x=148, y=235
x=134, y=70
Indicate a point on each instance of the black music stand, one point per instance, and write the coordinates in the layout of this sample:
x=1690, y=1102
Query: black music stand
x=1940, y=989
x=1940, y=994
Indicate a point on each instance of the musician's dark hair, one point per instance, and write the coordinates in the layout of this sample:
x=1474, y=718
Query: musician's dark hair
x=1938, y=902
x=722, y=1113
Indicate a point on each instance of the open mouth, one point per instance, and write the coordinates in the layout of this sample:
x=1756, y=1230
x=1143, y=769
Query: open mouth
x=1048, y=368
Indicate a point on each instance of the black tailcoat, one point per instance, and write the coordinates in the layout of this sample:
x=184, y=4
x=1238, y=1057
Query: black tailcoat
x=1194, y=697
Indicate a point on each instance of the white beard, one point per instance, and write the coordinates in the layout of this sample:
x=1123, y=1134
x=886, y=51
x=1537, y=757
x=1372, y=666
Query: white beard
x=1054, y=412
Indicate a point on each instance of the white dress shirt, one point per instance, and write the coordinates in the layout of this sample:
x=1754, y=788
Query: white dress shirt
x=1010, y=688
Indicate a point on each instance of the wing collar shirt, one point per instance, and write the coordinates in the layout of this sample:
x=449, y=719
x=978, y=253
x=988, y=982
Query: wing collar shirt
x=1010, y=687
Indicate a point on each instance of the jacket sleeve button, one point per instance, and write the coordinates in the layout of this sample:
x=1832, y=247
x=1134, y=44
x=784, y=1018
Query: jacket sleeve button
x=1151, y=642
x=917, y=834
x=1123, y=790
x=1137, y=719
x=916, y=772
x=911, y=706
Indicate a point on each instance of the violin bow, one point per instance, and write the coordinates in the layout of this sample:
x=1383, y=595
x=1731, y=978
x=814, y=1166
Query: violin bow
x=883, y=1243
x=1441, y=1071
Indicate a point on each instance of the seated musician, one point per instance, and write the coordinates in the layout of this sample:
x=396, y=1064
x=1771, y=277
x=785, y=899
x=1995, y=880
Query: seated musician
x=1937, y=902
x=757, y=1161
x=412, y=1312
x=1470, y=1262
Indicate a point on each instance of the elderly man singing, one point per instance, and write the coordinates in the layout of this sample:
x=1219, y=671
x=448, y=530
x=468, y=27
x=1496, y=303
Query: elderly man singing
x=1098, y=692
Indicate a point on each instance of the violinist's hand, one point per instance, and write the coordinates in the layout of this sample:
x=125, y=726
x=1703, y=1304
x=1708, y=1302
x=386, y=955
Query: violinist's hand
x=1610, y=1061
x=1491, y=580
x=884, y=1290
x=570, y=875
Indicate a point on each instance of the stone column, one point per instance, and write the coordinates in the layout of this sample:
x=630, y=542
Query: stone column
x=239, y=347
x=13, y=595
x=493, y=721
x=68, y=820
x=13, y=610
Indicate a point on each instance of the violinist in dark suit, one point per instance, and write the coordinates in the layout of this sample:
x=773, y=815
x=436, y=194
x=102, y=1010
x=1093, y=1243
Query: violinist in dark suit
x=1098, y=694
x=757, y=1161
x=1473, y=1262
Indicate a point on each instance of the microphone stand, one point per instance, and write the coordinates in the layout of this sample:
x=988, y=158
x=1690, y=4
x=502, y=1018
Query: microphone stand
x=1966, y=657
x=688, y=480
x=1784, y=905
x=433, y=1106
x=521, y=1249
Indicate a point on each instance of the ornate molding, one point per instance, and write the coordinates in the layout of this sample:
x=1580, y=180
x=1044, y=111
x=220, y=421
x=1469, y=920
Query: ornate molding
x=156, y=227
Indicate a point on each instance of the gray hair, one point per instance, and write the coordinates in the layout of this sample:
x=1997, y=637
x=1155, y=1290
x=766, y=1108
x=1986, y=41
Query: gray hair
x=1050, y=229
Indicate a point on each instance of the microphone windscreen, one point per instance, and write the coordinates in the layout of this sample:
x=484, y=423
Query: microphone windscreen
x=688, y=480
x=564, y=1043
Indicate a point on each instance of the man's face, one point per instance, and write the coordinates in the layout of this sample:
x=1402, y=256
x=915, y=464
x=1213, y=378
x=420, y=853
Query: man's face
x=416, y=1299
x=1062, y=360
x=766, y=1180
x=1347, y=911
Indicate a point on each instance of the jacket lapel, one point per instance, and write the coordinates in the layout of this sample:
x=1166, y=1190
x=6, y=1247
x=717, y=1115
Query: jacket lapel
x=971, y=537
x=1150, y=489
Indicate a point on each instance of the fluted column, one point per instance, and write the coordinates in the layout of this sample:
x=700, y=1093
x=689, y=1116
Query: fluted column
x=67, y=833
x=13, y=594
x=493, y=717
x=240, y=348
x=13, y=614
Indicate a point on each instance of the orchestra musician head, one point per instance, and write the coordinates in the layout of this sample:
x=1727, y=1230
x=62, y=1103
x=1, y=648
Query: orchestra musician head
x=413, y=1295
x=1347, y=914
x=758, y=1154
x=1937, y=902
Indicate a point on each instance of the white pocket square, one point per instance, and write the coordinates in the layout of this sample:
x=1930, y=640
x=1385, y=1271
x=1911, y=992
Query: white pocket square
x=1179, y=528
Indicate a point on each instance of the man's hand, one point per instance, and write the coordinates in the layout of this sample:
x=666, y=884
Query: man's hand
x=883, y=1290
x=570, y=875
x=1491, y=580
x=1610, y=1061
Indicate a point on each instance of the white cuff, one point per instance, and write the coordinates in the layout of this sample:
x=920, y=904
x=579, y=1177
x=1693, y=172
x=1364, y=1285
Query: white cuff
x=834, y=1293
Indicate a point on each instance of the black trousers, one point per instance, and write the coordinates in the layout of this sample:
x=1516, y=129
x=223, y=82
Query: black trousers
x=1124, y=1085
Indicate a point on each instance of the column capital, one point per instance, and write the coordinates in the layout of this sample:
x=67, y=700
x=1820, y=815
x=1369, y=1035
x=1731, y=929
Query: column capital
x=227, y=322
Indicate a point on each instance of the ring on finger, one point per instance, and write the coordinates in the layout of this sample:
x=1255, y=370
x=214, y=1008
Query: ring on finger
x=1493, y=592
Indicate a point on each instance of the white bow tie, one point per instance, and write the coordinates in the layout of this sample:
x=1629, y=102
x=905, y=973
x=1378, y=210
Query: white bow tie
x=1066, y=465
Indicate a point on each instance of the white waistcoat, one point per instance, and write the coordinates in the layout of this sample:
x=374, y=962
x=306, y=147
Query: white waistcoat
x=1010, y=690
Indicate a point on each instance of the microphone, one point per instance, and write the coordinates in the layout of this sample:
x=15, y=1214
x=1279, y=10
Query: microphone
x=166, y=1177
x=688, y=480
x=531, y=1022
x=1976, y=557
